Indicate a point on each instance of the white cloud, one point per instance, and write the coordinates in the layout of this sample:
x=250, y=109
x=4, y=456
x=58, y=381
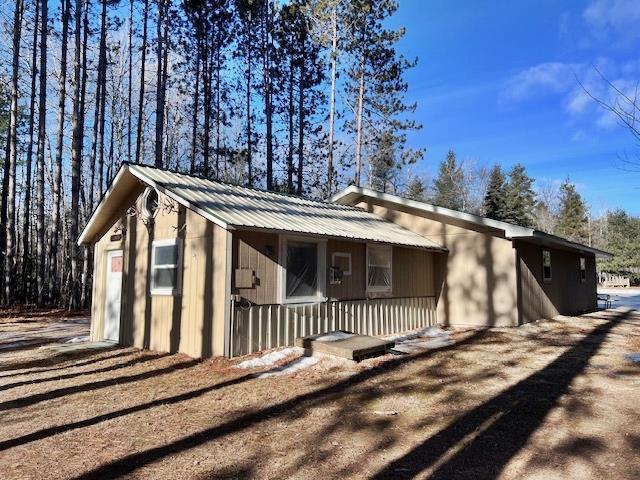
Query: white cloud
x=554, y=77
x=614, y=16
x=574, y=84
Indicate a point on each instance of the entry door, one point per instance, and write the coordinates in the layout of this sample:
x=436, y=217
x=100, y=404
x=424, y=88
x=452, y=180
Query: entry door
x=113, y=295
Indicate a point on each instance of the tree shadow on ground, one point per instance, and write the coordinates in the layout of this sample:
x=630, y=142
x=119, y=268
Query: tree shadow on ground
x=292, y=407
x=501, y=426
x=110, y=368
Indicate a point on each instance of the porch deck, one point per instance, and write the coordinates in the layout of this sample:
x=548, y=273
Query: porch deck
x=348, y=345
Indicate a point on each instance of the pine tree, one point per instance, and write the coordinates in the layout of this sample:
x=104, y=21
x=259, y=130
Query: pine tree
x=449, y=184
x=520, y=197
x=494, y=204
x=572, y=220
x=416, y=190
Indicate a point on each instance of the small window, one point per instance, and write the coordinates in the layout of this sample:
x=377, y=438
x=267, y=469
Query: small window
x=583, y=269
x=304, y=275
x=165, y=262
x=546, y=265
x=379, y=270
x=150, y=203
x=342, y=261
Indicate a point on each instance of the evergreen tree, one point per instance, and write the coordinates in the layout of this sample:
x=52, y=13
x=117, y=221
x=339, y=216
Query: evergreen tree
x=416, y=190
x=520, y=197
x=623, y=240
x=494, y=204
x=572, y=220
x=449, y=184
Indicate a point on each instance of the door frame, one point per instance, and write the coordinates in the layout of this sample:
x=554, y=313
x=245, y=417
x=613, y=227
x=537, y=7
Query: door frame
x=107, y=255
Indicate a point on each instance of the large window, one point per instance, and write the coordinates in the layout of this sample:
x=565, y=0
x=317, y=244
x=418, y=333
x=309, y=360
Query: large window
x=379, y=270
x=165, y=264
x=304, y=271
x=583, y=269
x=546, y=265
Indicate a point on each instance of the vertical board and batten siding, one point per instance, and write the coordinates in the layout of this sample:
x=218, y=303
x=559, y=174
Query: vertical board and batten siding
x=413, y=269
x=565, y=293
x=261, y=327
x=476, y=282
x=191, y=322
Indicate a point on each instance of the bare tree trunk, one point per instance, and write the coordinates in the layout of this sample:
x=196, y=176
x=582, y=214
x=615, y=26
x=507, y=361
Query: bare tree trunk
x=129, y=86
x=359, y=111
x=10, y=254
x=267, y=91
x=160, y=90
x=26, y=256
x=301, y=120
x=290, y=114
x=42, y=120
x=143, y=66
x=57, y=181
x=87, y=257
x=218, y=113
x=332, y=96
x=206, y=79
x=248, y=103
x=196, y=101
x=102, y=79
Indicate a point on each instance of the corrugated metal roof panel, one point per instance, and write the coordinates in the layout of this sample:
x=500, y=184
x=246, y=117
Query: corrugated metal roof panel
x=243, y=207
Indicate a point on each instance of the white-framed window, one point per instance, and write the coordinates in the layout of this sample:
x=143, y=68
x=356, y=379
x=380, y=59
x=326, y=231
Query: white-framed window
x=342, y=260
x=379, y=268
x=302, y=270
x=165, y=272
x=546, y=265
x=583, y=270
x=150, y=202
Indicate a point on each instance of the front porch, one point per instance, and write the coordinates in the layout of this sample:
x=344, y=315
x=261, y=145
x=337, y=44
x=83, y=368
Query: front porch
x=261, y=327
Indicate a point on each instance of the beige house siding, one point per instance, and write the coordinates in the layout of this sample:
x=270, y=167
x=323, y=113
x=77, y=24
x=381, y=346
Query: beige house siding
x=565, y=293
x=413, y=269
x=192, y=322
x=476, y=282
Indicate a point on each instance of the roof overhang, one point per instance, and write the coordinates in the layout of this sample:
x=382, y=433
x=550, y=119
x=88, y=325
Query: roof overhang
x=353, y=195
x=126, y=180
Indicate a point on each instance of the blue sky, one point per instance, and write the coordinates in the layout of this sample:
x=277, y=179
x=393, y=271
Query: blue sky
x=496, y=82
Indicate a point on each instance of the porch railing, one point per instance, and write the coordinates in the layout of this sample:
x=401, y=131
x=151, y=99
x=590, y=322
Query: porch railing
x=260, y=327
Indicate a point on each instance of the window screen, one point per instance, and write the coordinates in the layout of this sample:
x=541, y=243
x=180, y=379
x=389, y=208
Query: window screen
x=302, y=269
x=164, y=268
x=379, y=269
x=583, y=269
x=546, y=265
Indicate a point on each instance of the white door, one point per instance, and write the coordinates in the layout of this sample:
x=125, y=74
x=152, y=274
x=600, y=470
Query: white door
x=113, y=295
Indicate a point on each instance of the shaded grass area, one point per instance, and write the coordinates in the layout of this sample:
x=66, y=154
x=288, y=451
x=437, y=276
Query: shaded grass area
x=552, y=399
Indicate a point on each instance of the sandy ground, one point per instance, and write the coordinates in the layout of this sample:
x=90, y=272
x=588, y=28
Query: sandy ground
x=555, y=399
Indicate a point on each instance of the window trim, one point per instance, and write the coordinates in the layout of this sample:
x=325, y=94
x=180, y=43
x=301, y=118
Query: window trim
x=582, y=261
x=346, y=255
x=377, y=289
x=548, y=279
x=166, y=291
x=146, y=213
x=321, y=292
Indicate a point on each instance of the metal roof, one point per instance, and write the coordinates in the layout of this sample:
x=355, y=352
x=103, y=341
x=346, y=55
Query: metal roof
x=353, y=195
x=235, y=207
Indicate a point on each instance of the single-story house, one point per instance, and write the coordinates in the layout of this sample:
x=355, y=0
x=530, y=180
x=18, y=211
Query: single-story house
x=206, y=268
x=494, y=273
x=202, y=267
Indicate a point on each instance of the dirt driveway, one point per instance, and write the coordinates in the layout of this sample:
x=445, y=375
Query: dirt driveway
x=558, y=399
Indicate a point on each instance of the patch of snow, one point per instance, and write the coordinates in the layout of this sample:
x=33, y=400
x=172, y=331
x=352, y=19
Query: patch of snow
x=78, y=339
x=333, y=336
x=416, y=346
x=633, y=357
x=298, y=364
x=431, y=332
x=270, y=358
x=622, y=297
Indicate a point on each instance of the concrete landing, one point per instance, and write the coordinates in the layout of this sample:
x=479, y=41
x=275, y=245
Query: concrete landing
x=81, y=346
x=344, y=344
